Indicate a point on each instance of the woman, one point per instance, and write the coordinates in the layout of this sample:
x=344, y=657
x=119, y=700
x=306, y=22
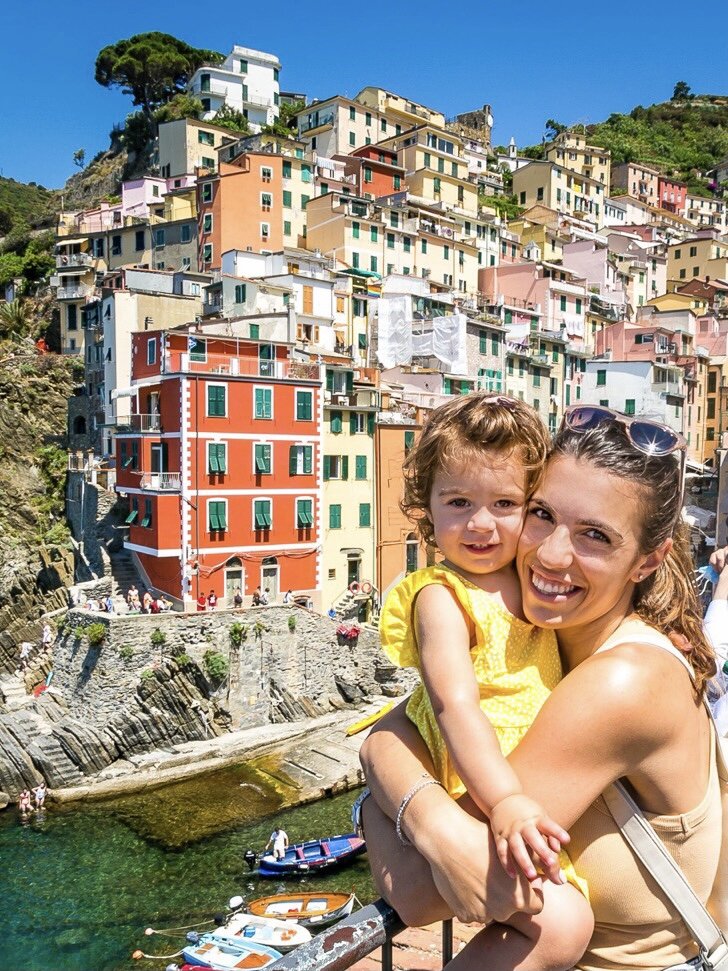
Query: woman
x=604, y=561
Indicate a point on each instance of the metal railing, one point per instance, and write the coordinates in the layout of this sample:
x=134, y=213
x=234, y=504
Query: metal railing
x=139, y=423
x=74, y=293
x=351, y=939
x=73, y=259
x=161, y=481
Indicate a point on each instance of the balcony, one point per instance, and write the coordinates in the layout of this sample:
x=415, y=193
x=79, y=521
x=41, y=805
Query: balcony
x=161, y=481
x=542, y=359
x=73, y=259
x=239, y=366
x=669, y=387
x=79, y=292
x=139, y=423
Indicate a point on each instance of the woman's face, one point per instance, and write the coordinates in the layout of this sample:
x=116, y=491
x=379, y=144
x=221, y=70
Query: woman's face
x=578, y=556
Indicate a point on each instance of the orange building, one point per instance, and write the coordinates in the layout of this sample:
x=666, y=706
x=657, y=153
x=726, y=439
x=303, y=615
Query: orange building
x=399, y=550
x=377, y=171
x=240, y=207
x=221, y=465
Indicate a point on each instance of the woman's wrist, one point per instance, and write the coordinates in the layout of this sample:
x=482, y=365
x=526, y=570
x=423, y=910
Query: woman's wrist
x=430, y=818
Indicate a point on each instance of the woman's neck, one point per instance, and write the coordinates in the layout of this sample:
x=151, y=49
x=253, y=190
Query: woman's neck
x=576, y=644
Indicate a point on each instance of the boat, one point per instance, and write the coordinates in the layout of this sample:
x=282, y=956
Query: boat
x=312, y=855
x=311, y=910
x=283, y=935
x=213, y=954
x=369, y=720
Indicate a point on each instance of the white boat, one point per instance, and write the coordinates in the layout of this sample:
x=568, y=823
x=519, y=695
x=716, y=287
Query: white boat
x=209, y=953
x=283, y=935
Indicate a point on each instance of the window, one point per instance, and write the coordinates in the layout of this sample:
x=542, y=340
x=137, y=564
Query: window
x=397, y=182
x=394, y=219
x=240, y=292
x=336, y=467
x=367, y=174
x=677, y=254
x=335, y=516
x=206, y=191
x=373, y=264
x=304, y=513
x=266, y=201
x=216, y=400
x=355, y=260
x=304, y=406
x=360, y=467
x=216, y=458
x=147, y=520
x=266, y=173
x=577, y=302
x=355, y=230
x=262, y=459
x=152, y=350
x=263, y=403
x=116, y=245
x=206, y=223
x=207, y=253
x=601, y=379
x=437, y=184
x=629, y=406
x=264, y=230
x=185, y=233
x=300, y=460
x=365, y=515
x=693, y=251
x=287, y=170
x=352, y=114
x=262, y=513
x=374, y=234
x=205, y=138
x=562, y=304
x=216, y=515
x=406, y=244
x=139, y=240
x=423, y=246
x=352, y=138
x=336, y=423
x=286, y=227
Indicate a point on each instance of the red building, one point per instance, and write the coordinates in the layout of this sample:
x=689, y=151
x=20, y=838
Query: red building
x=671, y=194
x=221, y=465
x=376, y=170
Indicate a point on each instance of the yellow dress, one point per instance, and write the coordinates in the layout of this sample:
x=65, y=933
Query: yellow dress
x=516, y=666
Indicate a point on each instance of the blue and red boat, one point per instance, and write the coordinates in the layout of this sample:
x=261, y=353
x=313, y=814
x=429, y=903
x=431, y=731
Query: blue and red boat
x=313, y=855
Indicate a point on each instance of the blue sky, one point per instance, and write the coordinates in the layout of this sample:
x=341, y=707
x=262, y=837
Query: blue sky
x=531, y=61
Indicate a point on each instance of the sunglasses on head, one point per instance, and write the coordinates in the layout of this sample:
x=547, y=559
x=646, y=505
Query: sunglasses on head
x=647, y=436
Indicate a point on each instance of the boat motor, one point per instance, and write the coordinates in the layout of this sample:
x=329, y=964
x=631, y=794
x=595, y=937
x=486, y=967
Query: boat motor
x=192, y=937
x=250, y=858
x=235, y=903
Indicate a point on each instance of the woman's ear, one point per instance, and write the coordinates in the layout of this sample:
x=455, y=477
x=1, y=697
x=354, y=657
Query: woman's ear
x=647, y=566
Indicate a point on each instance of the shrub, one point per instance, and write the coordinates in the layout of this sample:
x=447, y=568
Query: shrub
x=96, y=634
x=79, y=632
x=238, y=633
x=291, y=623
x=259, y=628
x=159, y=638
x=146, y=675
x=216, y=665
x=125, y=652
x=183, y=659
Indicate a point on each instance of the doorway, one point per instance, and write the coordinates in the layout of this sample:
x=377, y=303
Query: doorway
x=270, y=577
x=234, y=580
x=353, y=564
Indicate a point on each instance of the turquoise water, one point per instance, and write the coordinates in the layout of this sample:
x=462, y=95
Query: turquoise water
x=79, y=887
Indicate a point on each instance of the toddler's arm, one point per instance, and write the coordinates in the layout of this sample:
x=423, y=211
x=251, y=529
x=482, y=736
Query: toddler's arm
x=443, y=638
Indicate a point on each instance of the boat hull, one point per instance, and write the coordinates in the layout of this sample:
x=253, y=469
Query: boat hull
x=283, y=935
x=313, y=855
x=311, y=910
x=217, y=956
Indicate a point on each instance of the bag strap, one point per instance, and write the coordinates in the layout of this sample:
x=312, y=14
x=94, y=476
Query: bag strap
x=649, y=849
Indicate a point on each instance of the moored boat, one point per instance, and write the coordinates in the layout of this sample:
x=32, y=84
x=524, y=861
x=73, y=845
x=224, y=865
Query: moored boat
x=312, y=910
x=281, y=934
x=219, y=956
x=320, y=854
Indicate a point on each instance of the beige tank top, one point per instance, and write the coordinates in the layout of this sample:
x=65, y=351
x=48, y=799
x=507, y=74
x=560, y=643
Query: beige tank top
x=635, y=925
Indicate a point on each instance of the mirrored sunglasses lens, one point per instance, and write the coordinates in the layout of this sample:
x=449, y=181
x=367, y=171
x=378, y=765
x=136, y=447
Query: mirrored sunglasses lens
x=584, y=419
x=652, y=439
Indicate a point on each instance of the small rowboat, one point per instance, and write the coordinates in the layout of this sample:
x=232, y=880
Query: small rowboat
x=369, y=720
x=308, y=909
x=283, y=935
x=209, y=953
x=321, y=854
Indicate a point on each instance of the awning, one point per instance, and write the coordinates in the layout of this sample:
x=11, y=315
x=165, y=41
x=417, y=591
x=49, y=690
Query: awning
x=70, y=241
x=351, y=271
x=123, y=393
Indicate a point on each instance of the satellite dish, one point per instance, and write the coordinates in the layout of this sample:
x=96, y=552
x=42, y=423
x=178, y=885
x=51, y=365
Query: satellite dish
x=489, y=120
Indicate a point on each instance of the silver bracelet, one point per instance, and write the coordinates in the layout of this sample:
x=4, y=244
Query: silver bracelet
x=425, y=781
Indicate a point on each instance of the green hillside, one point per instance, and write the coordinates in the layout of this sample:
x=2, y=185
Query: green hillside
x=26, y=205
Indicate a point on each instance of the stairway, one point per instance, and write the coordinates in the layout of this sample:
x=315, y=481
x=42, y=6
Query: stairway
x=123, y=575
x=12, y=690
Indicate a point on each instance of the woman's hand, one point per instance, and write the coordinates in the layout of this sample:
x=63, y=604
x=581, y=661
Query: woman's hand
x=464, y=863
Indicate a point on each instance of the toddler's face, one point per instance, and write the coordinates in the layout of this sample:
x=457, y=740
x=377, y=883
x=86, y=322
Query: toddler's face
x=476, y=510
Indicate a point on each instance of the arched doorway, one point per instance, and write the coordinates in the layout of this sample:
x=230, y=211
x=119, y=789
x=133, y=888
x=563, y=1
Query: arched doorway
x=79, y=425
x=234, y=579
x=270, y=577
x=411, y=549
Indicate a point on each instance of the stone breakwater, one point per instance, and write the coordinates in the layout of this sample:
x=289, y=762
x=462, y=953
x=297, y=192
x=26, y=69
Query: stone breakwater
x=145, y=687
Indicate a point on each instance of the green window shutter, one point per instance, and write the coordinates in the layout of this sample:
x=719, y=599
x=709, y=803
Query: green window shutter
x=349, y=382
x=397, y=181
x=304, y=201
x=304, y=515
x=307, y=459
x=213, y=514
x=361, y=467
x=352, y=423
x=304, y=405
x=263, y=459
x=212, y=463
x=131, y=517
x=286, y=170
x=374, y=234
x=262, y=514
x=292, y=459
x=409, y=440
x=344, y=466
x=370, y=423
x=365, y=515
x=286, y=227
x=424, y=245
x=355, y=230
x=216, y=401
x=355, y=260
x=254, y=332
x=483, y=339
x=373, y=264
x=336, y=423
x=329, y=380
x=287, y=199
x=390, y=240
x=263, y=402
x=362, y=342
x=240, y=292
x=335, y=516
x=327, y=467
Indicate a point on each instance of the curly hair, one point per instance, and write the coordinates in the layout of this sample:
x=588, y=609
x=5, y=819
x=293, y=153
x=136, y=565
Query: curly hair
x=667, y=599
x=470, y=428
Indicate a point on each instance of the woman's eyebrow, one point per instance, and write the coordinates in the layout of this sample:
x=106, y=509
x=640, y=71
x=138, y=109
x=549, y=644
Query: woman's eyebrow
x=595, y=523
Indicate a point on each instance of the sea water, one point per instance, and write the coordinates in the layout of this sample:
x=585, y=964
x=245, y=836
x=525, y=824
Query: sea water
x=79, y=886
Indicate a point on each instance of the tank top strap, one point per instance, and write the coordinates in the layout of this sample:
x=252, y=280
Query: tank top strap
x=653, y=638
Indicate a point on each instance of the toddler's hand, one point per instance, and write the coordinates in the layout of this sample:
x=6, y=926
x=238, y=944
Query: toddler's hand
x=523, y=833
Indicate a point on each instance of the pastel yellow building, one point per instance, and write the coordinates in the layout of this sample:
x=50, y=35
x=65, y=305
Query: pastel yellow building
x=697, y=257
x=539, y=226
x=553, y=186
x=399, y=110
x=570, y=150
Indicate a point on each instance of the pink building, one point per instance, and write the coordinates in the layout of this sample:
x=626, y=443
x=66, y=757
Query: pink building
x=672, y=194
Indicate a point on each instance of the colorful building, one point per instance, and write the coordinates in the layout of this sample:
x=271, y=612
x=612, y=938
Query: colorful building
x=221, y=465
